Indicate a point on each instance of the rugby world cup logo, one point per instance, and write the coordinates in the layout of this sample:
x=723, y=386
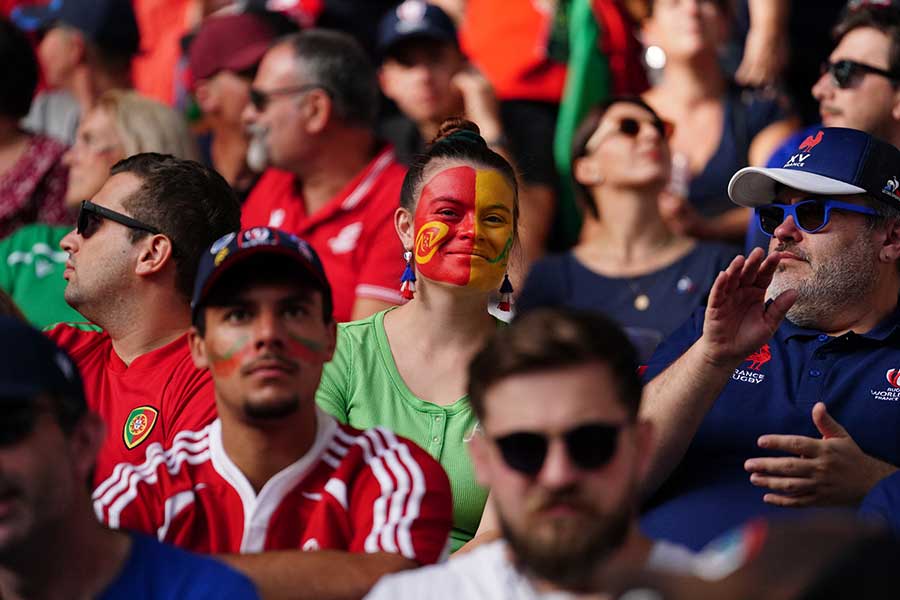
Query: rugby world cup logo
x=893, y=377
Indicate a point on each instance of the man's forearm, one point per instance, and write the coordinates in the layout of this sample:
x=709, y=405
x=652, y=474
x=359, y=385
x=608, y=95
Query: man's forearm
x=676, y=401
x=319, y=575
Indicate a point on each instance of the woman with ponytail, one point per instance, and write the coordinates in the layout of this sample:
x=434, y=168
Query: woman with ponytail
x=405, y=368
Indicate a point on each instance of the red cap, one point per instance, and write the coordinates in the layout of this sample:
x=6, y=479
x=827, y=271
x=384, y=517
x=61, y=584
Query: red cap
x=229, y=42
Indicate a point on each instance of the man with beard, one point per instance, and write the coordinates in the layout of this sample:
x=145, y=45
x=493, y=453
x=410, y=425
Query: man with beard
x=563, y=451
x=761, y=414
x=273, y=472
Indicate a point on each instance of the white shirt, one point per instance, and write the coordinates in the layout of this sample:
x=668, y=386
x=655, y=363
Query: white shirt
x=486, y=572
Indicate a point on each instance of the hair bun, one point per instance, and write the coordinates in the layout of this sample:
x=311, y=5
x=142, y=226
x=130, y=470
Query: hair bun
x=456, y=125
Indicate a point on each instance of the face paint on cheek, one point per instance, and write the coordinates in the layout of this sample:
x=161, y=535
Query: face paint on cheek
x=306, y=349
x=228, y=362
x=494, y=207
x=444, y=225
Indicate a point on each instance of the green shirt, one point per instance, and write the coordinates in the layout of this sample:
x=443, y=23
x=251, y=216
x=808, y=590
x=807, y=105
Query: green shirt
x=362, y=387
x=31, y=272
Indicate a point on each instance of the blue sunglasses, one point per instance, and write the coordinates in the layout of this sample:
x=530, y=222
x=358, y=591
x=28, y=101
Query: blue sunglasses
x=810, y=215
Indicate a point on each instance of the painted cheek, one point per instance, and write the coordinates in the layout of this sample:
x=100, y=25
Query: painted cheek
x=494, y=242
x=306, y=349
x=434, y=231
x=229, y=361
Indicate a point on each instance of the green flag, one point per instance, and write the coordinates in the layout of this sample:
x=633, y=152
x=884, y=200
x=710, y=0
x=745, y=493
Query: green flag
x=587, y=83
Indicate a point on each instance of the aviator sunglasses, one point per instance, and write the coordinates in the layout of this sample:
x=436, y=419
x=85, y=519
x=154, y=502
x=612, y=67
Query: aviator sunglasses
x=846, y=73
x=589, y=446
x=810, y=215
x=91, y=215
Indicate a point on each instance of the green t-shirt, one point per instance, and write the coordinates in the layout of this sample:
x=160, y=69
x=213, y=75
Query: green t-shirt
x=362, y=387
x=31, y=272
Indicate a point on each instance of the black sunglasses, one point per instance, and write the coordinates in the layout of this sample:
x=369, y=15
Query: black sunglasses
x=589, y=446
x=847, y=73
x=631, y=127
x=810, y=215
x=260, y=99
x=17, y=420
x=91, y=215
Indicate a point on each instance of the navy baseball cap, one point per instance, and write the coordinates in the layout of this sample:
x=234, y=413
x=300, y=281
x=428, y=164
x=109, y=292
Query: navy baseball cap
x=414, y=19
x=110, y=24
x=833, y=161
x=32, y=365
x=234, y=248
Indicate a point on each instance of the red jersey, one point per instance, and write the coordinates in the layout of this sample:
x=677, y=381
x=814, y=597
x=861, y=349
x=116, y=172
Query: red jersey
x=152, y=399
x=353, y=234
x=359, y=491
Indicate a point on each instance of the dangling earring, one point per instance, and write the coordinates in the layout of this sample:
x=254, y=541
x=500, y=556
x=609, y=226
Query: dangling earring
x=506, y=290
x=408, y=279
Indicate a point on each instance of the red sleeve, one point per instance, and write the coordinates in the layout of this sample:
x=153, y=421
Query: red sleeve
x=382, y=254
x=72, y=339
x=400, y=500
x=128, y=499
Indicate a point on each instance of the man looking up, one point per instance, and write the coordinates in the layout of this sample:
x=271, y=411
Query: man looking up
x=808, y=405
x=273, y=472
x=564, y=474
x=51, y=546
x=313, y=105
x=132, y=261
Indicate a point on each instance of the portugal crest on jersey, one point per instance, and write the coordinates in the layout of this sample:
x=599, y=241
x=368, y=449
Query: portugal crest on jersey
x=138, y=425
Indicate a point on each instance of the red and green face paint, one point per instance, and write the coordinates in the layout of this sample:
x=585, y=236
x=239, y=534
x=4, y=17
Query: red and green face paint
x=242, y=352
x=464, y=227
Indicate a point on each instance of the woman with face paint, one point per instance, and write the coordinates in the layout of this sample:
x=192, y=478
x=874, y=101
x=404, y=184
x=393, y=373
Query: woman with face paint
x=405, y=368
x=628, y=264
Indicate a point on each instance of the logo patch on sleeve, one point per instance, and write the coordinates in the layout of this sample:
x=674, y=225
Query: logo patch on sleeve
x=138, y=425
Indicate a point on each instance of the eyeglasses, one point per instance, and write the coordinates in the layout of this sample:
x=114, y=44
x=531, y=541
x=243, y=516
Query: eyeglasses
x=589, y=447
x=260, y=99
x=847, y=73
x=631, y=127
x=810, y=215
x=91, y=215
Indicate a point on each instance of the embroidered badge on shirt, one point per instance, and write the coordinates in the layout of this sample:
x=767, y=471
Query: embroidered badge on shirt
x=138, y=425
x=751, y=374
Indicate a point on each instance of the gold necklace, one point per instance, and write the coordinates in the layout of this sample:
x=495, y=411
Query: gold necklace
x=641, y=300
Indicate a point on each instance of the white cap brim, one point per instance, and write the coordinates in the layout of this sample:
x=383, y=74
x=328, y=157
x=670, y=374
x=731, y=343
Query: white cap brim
x=756, y=186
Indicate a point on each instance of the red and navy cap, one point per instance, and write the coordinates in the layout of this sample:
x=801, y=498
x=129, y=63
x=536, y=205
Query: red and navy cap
x=414, y=19
x=234, y=248
x=832, y=161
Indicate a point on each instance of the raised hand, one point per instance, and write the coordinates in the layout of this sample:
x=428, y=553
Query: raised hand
x=832, y=471
x=738, y=319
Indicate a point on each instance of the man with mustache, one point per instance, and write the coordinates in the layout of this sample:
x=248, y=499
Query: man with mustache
x=762, y=414
x=51, y=546
x=273, y=472
x=562, y=448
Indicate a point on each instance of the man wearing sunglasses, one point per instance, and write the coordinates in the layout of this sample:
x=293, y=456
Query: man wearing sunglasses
x=312, y=105
x=563, y=450
x=51, y=545
x=762, y=414
x=133, y=257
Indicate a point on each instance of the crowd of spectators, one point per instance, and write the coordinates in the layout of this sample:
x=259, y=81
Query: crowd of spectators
x=478, y=298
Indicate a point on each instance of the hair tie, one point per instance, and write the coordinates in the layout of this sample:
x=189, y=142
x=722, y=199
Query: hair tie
x=464, y=135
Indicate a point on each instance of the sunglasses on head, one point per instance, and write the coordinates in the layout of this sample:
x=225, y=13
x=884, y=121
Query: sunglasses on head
x=847, y=73
x=260, y=99
x=91, y=215
x=589, y=446
x=631, y=127
x=810, y=215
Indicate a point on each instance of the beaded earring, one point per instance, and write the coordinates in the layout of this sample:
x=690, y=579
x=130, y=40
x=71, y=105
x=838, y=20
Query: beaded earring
x=408, y=279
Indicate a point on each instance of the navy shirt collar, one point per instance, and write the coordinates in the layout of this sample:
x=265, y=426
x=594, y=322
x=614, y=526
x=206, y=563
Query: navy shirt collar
x=889, y=327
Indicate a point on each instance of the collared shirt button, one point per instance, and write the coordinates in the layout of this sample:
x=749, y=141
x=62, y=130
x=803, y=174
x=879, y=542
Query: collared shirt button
x=437, y=419
x=814, y=372
x=435, y=439
x=823, y=338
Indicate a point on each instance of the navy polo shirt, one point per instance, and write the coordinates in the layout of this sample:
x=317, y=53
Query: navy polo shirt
x=773, y=392
x=883, y=503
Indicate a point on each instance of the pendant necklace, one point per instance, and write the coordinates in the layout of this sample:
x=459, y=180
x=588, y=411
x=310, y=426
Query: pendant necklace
x=641, y=300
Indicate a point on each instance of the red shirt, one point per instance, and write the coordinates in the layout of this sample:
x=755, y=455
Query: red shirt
x=353, y=234
x=359, y=491
x=152, y=399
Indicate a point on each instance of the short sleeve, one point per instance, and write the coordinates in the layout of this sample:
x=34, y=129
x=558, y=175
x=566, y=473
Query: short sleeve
x=400, y=501
x=675, y=345
x=332, y=396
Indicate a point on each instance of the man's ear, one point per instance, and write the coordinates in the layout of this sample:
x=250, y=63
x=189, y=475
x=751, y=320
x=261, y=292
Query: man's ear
x=479, y=450
x=332, y=341
x=319, y=111
x=207, y=97
x=890, y=247
x=403, y=223
x=155, y=254
x=385, y=82
x=198, y=349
